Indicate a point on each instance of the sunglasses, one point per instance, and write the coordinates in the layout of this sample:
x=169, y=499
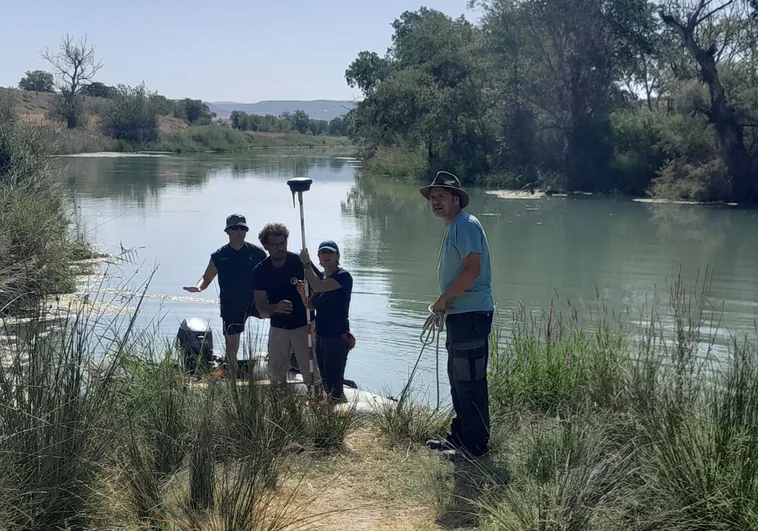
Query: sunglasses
x=244, y=229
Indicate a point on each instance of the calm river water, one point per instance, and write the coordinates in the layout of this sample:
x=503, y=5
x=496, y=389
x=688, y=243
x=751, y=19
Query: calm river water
x=170, y=210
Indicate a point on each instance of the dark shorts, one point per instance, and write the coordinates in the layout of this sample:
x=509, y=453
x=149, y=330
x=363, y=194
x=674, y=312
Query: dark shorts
x=234, y=318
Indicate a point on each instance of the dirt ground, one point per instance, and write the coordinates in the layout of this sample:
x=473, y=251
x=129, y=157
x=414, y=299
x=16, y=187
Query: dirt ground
x=370, y=487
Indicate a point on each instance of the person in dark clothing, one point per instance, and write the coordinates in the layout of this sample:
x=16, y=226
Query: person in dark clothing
x=234, y=264
x=465, y=278
x=276, y=297
x=332, y=291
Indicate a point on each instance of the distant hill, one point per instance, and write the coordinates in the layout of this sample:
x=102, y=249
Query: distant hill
x=316, y=109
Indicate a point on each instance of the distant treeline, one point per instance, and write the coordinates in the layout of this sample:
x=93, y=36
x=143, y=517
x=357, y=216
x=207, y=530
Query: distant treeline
x=299, y=121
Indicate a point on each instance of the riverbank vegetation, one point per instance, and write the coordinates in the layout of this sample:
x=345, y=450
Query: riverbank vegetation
x=79, y=114
x=597, y=424
x=625, y=96
x=38, y=239
x=135, y=119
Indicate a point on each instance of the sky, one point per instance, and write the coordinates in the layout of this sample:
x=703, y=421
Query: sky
x=223, y=50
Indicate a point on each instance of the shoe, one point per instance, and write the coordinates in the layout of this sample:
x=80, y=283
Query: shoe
x=438, y=445
x=452, y=456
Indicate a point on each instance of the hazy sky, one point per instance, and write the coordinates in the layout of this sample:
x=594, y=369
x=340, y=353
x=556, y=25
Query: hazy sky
x=233, y=50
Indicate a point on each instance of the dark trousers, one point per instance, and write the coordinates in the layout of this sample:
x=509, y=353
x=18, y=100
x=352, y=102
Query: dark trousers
x=331, y=356
x=468, y=354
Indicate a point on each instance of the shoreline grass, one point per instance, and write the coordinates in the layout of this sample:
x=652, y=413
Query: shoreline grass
x=194, y=139
x=600, y=430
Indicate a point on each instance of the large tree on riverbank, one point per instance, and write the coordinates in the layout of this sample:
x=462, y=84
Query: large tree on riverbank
x=75, y=66
x=709, y=30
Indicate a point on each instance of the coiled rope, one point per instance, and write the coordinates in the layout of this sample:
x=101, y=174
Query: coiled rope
x=430, y=333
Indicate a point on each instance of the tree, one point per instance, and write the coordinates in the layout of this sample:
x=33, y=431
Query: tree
x=577, y=52
x=336, y=127
x=96, y=90
x=37, y=80
x=194, y=111
x=429, y=93
x=300, y=121
x=132, y=115
x=694, y=21
x=75, y=65
x=366, y=72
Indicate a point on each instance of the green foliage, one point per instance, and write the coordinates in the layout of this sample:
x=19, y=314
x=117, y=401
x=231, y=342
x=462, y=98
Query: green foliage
x=37, y=80
x=97, y=90
x=132, y=115
x=606, y=427
x=222, y=139
x=693, y=169
x=638, y=149
x=194, y=111
x=410, y=421
x=597, y=95
x=35, y=241
x=366, y=72
x=286, y=123
x=397, y=163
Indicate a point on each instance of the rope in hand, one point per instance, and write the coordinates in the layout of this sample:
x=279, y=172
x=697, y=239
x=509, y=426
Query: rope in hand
x=430, y=333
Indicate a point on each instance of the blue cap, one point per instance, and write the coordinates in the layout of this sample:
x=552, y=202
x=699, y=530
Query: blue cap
x=329, y=246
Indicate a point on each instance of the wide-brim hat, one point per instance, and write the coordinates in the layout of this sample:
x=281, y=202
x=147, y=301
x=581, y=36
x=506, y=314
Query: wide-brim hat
x=450, y=182
x=236, y=220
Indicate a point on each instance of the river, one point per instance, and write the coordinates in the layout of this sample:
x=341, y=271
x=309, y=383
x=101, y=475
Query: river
x=169, y=212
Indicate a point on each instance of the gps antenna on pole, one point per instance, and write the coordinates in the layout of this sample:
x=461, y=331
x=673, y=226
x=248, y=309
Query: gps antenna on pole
x=298, y=185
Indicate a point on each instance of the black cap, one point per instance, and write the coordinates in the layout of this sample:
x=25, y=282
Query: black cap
x=329, y=246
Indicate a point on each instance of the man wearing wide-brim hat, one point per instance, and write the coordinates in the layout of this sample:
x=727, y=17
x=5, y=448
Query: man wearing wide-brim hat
x=465, y=278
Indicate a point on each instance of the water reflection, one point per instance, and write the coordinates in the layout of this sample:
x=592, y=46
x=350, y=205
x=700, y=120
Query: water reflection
x=131, y=179
x=140, y=179
x=553, y=249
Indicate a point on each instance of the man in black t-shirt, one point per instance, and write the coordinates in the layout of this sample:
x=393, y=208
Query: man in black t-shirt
x=234, y=264
x=276, y=296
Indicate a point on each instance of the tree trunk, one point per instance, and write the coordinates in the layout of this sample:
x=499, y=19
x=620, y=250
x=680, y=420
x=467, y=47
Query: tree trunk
x=722, y=115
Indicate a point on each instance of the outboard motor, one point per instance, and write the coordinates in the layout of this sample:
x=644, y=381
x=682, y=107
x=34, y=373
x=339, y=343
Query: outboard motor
x=195, y=341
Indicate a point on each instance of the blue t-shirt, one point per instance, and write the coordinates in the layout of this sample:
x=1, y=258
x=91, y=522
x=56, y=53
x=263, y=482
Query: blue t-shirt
x=333, y=307
x=465, y=235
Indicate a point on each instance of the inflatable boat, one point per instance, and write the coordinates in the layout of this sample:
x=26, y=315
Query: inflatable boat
x=200, y=364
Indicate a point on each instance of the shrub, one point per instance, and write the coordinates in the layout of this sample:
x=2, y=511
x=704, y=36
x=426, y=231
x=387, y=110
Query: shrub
x=132, y=115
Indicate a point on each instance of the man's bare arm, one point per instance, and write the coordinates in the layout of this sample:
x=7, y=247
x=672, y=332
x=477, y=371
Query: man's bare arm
x=205, y=280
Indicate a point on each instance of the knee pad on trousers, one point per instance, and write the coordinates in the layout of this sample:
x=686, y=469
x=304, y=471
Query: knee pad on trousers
x=469, y=360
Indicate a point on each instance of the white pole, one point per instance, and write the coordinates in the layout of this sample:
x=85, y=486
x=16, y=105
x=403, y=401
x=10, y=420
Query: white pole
x=307, y=310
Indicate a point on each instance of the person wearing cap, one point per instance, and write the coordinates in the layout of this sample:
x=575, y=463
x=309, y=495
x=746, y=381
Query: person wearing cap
x=234, y=264
x=464, y=275
x=276, y=296
x=331, y=295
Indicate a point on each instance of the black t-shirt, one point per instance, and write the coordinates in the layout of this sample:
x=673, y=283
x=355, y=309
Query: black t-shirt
x=235, y=274
x=281, y=284
x=333, y=307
